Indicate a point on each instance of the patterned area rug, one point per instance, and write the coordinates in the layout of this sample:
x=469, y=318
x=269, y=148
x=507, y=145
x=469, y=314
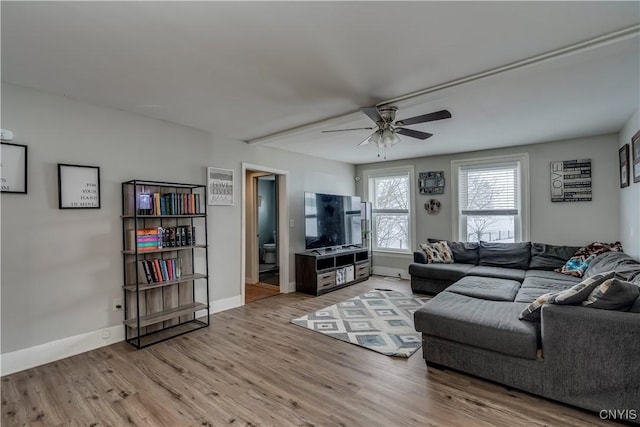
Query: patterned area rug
x=380, y=320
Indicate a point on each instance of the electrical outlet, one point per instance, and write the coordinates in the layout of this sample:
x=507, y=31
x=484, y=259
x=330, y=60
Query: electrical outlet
x=106, y=334
x=117, y=304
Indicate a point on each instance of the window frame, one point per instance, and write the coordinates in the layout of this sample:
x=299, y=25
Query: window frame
x=522, y=226
x=407, y=170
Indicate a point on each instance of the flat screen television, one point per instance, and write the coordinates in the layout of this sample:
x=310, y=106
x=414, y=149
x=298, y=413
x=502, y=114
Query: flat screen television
x=331, y=220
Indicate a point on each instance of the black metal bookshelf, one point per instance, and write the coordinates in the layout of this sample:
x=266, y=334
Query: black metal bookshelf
x=161, y=309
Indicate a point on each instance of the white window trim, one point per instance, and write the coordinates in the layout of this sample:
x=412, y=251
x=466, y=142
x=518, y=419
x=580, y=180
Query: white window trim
x=523, y=158
x=375, y=173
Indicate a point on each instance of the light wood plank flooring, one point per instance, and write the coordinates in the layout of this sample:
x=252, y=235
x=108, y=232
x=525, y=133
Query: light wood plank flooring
x=252, y=367
x=259, y=291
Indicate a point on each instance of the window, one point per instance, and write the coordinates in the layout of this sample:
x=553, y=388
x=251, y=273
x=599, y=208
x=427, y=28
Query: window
x=492, y=199
x=390, y=194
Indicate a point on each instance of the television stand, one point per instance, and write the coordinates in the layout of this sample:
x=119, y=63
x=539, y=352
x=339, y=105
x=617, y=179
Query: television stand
x=318, y=273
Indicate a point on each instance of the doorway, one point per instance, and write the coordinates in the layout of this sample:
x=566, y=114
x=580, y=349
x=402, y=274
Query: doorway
x=265, y=235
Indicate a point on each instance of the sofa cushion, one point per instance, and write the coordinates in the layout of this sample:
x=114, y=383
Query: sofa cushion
x=463, y=252
x=626, y=268
x=437, y=253
x=508, y=255
x=550, y=257
x=491, y=325
x=613, y=294
x=578, y=264
x=486, y=288
x=552, y=276
x=450, y=272
x=498, y=272
x=533, y=287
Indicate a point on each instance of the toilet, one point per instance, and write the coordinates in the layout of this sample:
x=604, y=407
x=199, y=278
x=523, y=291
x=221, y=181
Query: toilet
x=269, y=253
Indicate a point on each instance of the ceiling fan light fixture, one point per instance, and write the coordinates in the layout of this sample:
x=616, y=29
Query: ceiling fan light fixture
x=389, y=138
x=375, y=138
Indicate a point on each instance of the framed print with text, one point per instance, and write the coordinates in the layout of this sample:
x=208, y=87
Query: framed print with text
x=13, y=168
x=78, y=187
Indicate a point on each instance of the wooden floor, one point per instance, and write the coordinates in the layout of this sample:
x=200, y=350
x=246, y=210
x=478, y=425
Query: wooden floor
x=259, y=291
x=252, y=367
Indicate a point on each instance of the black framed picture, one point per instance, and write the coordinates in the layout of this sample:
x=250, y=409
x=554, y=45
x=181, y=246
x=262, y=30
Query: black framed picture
x=13, y=168
x=623, y=157
x=635, y=147
x=78, y=187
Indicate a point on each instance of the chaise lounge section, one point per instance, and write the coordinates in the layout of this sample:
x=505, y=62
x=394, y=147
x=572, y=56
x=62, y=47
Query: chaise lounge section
x=578, y=355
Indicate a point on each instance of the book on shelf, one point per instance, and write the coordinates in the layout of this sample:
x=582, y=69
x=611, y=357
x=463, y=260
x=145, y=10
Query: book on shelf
x=168, y=203
x=157, y=270
x=145, y=239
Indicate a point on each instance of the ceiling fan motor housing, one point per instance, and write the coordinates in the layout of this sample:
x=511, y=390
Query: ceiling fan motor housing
x=388, y=114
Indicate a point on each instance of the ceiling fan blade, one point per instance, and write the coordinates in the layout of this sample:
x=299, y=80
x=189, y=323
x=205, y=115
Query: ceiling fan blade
x=372, y=113
x=367, y=140
x=413, y=133
x=438, y=115
x=344, y=130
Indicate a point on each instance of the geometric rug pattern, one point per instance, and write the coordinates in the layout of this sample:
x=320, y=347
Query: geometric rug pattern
x=379, y=320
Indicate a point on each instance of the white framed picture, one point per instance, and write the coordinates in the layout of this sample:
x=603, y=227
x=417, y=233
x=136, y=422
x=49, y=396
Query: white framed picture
x=219, y=187
x=78, y=187
x=13, y=168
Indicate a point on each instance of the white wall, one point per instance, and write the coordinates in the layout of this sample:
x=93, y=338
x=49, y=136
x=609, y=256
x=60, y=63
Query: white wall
x=630, y=196
x=554, y=223
x=61, y=269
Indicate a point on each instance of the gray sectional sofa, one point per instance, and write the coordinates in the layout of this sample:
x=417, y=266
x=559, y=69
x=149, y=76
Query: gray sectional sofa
x=582, y=356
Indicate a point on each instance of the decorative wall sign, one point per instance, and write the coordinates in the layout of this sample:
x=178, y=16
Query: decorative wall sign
x=431, y=182
x=219, y=186
x=78, y=187
x=571, y=181
x=623, y=157
x=13, y=168
x=635, y=143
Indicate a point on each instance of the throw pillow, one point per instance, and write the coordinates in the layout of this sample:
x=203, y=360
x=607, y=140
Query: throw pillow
x=579, y=262
x=532, y=311
x=580, y=292
x=613, y=294
x=574, y=295
x=437, y=253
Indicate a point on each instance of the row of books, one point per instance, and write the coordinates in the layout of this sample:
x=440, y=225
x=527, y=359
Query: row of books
x=154, y=238
x=159, y=270
x=168, y=203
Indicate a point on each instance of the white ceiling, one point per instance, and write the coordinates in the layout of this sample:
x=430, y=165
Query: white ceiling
x=244, y=70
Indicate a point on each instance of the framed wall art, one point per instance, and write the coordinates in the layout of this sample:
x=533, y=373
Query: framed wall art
x=78, y=187
x=571, y=180
x=623, y=157
x=635, y=147
x=13, y=168
x=431, y=182
x=219, y=187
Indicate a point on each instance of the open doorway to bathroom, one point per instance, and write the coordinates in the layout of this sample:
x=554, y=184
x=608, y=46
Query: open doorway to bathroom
x=267, y=203
x=265, y=198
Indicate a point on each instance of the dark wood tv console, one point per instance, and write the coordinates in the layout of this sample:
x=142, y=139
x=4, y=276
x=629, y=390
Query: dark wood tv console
x=320, y=271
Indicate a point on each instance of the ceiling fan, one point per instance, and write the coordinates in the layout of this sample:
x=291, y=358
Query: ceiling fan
x=386, y=132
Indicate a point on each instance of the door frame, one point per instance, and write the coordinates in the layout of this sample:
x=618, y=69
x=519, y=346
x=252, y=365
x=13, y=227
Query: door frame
x=283, y=225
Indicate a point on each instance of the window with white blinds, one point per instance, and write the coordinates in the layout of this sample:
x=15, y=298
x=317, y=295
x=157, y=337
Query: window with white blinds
x=390, y=194
x=490, y=199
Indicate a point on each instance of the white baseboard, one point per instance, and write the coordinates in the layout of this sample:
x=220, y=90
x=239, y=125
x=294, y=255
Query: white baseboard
x=51, y=351
x=26, y=358
x=225, y=304
x=391, y=272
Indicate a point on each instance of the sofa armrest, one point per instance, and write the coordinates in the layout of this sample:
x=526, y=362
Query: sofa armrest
x=420, y=257
x=591, y=357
